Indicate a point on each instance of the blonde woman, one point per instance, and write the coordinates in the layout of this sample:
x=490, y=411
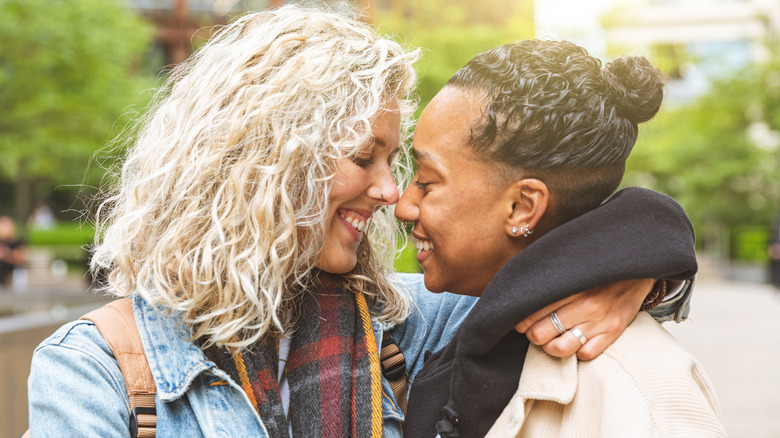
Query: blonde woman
x=248, y=228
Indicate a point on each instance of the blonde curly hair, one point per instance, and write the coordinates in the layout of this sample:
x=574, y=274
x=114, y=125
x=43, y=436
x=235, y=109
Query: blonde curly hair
x=226, y=183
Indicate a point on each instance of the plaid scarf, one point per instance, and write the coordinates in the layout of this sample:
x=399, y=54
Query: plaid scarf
x=332, y=369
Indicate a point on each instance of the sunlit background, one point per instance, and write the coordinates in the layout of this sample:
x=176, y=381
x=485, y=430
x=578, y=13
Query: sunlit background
x=75, y=73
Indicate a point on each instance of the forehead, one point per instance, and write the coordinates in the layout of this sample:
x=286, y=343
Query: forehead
x=443, y=132
x=386, y=125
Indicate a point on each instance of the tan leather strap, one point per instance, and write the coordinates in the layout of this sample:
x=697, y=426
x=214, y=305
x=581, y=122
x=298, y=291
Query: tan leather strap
x=116, y=324
x=394, y=369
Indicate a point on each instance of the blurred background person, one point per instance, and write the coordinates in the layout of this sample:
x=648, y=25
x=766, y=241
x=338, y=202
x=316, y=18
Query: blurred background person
x=42, y=218
x=13, y=252
x=774, y=252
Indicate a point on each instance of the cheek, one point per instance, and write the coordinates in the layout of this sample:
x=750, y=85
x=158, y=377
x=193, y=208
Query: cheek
x=440, y=218
x=349, y=182
x=431, y=212
x=460, y=225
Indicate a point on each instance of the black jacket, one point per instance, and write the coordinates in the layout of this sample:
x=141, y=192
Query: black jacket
x=463, y=388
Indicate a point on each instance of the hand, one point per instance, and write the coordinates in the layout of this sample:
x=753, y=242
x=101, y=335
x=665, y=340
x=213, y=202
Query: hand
x=601, y=314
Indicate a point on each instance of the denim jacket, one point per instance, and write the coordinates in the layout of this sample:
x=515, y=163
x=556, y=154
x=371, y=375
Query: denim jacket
x=77, y=389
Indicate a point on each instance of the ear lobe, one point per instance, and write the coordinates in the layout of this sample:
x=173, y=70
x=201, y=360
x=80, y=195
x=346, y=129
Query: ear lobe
x=530, y=198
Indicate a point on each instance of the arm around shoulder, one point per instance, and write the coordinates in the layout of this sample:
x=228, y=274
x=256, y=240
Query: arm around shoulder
x=75, y=386
x=678, y=304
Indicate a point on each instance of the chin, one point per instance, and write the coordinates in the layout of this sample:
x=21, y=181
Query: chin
x=338, y=267
x=432, y=285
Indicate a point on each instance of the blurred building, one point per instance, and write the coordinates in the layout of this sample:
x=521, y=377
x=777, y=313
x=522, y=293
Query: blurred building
x=182, y=25
x=693, y=41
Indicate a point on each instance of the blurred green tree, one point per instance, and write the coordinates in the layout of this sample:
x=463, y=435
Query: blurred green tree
x=68, y=73
x=451, y=32
x=720, y=158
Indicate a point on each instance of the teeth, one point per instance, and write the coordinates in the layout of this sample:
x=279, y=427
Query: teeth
x=424, y=245
x=358, y=223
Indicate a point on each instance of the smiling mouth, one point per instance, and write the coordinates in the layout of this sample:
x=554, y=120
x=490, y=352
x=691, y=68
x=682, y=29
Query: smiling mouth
x=423, y=245
x=358, y=222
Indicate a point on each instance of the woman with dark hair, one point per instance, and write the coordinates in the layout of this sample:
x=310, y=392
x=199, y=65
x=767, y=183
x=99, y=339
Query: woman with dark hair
x=519, y=157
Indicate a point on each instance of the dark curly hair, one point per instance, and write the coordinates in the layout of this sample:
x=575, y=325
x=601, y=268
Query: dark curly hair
x=555, y=114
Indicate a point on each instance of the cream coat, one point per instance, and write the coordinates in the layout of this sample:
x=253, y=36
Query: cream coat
x=645, y=385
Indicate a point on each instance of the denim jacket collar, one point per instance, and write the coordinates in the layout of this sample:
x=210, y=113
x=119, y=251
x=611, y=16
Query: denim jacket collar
x=174, y=361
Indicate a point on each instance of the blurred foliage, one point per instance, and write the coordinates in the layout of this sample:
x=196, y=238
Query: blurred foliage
x=406, y=257
x=64, y=233
x=451, y=32
x=66, y=79
x=66, y=241
x=751, y=244
x=719, y=157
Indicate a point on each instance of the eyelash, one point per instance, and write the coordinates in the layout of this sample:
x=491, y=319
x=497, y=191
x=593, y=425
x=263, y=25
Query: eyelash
x=421, y=186
x=362, y=162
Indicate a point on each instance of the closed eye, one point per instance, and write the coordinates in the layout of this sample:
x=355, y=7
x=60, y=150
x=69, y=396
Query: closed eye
x=362, y=162
x=421, y=186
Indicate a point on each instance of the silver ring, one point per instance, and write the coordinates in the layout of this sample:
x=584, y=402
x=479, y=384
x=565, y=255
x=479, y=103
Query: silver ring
x=578, y=334
x=557, y=323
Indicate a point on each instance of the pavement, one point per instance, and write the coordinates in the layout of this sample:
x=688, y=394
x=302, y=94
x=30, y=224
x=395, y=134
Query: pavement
x=734, y=331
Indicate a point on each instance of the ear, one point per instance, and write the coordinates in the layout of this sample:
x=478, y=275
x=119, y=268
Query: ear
x=527, y=202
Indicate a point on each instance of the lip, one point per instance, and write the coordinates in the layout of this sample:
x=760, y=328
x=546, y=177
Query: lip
x=365, y=214
x=422, y=255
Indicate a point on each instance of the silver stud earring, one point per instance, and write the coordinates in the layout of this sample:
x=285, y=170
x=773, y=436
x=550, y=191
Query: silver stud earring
x=515, y=230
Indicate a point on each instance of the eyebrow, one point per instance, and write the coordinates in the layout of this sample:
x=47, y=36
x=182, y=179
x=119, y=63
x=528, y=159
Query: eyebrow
x=424, y=156
x=378, y=141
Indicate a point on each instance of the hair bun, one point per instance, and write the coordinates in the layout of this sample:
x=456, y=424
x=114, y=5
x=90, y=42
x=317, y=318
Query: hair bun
x=636, y=87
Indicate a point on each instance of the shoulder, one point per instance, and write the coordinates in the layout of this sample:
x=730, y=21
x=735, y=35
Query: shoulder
x=646, y=347
x=82, y=338
x=647, y=368
x=75, y=384
x=414, y=285
x=430, y=309
x=433, y=321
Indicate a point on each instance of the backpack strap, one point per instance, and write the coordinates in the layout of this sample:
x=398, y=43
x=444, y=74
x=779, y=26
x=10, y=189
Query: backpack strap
x=116, y=324
x=394, y=369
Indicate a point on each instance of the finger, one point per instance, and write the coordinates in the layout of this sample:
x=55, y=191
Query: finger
x=563, y=346
x=587, y=314
x=595, y=346
x=581, y=311
x=543, y=331
x=543, y=313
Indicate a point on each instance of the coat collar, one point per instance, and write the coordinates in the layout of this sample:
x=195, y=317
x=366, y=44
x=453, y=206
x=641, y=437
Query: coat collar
x=544, y=378
x=547, y=378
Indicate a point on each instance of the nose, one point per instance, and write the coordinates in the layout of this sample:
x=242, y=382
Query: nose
x=384, y=191
x=407, y=209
